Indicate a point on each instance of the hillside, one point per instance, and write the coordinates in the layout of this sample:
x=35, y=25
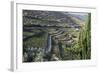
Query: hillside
x=51, y=35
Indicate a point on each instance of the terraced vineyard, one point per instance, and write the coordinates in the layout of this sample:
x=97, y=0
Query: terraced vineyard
x=53, y=36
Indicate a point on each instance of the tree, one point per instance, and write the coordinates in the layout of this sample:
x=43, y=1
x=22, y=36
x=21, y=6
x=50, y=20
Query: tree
x=85, y=39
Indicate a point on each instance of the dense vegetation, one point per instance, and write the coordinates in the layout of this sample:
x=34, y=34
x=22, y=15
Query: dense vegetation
x=52, y=36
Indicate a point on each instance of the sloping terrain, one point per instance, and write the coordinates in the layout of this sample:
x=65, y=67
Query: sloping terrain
x=50, y=35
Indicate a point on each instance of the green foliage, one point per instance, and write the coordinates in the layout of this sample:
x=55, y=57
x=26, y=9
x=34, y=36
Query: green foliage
x=71, y=37
x=81, y=49
x=38, y=40
x=85, y=39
